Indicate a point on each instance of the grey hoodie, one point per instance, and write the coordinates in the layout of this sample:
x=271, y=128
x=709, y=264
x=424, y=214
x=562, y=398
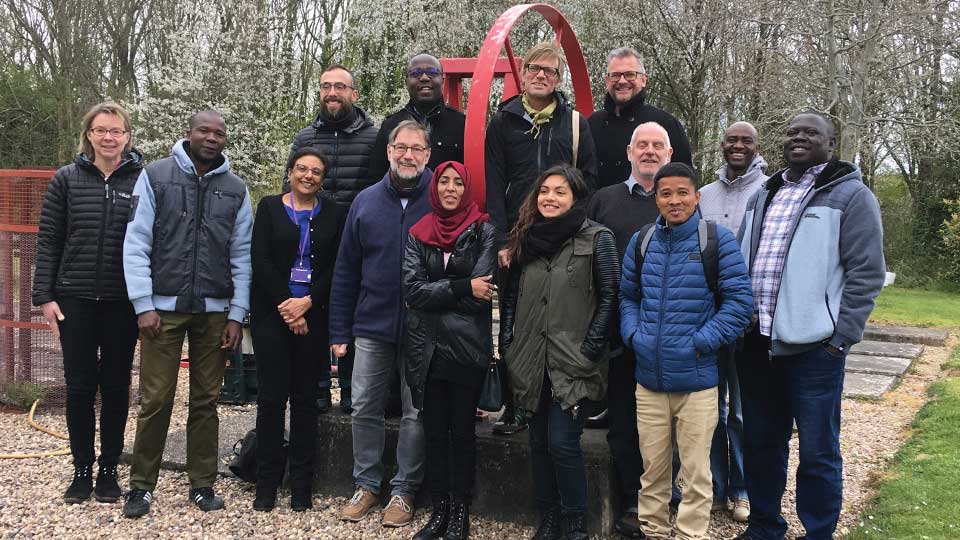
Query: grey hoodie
x=725, y=200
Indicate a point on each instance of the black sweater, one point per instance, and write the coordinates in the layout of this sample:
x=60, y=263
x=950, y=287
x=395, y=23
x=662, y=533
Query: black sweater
x=622, y=212
x=612, y=132
x=274, y=250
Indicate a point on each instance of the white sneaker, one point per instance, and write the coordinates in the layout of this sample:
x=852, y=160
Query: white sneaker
x=741, y=510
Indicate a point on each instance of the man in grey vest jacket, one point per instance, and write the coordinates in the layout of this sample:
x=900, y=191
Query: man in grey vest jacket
x=186, y=261
x=724, y=201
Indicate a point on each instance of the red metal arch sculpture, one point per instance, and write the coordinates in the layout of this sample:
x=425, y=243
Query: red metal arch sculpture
x=490, y=64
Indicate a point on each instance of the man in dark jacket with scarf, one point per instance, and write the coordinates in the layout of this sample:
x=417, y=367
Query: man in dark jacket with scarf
x=366, y=309
x=813, y=243
x=424, y=79
x=624, y=109
x=529, y=134
x=345, y=134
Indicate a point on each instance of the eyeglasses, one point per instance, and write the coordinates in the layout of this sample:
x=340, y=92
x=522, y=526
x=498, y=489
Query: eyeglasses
x=115, y=133
x=431, y=72
x=339, y=87
x=303, y=169
x=537, y=68
x=401, y=149
x=630, y=76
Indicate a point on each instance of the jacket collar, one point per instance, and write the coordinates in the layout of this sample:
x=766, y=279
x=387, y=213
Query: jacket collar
x=186, y=164
x=361, y=120
x=133, y=160
x=836, y=172
x=683, y=230
x=635, y=103
x=425, y=177
x=757, y=168
x=514, y=105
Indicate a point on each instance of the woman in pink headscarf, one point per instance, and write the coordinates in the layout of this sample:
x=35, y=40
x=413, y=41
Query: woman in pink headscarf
x=447, y=277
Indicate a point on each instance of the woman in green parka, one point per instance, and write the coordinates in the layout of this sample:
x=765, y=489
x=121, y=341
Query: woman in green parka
x=555, y=324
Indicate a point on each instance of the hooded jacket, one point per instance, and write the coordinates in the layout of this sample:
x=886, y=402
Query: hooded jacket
x=834, y=267
x=668, y=313
x=724, y=201
x=445, y=125
x=187, y=247
x=612, y=132
x=349, y=150
x=82, y=223
x=514, y=159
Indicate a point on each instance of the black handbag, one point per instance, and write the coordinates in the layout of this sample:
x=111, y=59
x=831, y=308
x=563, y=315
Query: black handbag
x=244, y=463
x=492, y=393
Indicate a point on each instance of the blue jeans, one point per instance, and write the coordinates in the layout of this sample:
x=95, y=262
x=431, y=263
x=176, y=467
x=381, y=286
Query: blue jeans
x=559, y=473
x=775, y=391
x=372, y=369
x=726, y=453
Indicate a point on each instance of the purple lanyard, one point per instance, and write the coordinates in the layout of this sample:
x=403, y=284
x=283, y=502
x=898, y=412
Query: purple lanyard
x=296, y=221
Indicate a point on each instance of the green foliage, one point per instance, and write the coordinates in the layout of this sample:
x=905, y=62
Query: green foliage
x=950, y=236
x=915, y=307
x=21, y=394
x=918, y=499
x=28, y=108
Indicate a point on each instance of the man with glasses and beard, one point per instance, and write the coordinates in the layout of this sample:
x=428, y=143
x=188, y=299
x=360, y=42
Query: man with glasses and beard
x=345, y=134
x=624, y=108
x=366, y=309
x=424, y=79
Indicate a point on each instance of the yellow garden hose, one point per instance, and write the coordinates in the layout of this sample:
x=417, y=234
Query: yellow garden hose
x=61, y=452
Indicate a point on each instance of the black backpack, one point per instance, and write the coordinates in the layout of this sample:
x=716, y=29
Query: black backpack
x=709, y=254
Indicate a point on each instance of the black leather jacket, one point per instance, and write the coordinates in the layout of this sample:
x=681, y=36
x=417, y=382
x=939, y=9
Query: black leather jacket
x=443, y=316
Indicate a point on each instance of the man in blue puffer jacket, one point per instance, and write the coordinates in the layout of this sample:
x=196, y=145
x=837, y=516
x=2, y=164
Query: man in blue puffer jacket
x=675, y=326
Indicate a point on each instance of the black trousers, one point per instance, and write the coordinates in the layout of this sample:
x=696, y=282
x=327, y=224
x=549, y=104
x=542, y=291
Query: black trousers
x=98, y=339
x=288, y=368
x=449, y=416
x=622, y=437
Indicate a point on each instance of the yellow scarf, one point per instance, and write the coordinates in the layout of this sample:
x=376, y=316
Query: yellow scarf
x=538, y=117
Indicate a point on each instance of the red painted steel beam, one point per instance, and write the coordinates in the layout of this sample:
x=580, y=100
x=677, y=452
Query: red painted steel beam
x=475, y=130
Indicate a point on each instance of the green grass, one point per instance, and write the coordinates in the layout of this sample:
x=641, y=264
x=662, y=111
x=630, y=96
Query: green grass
x=919, y=498
x=917, y=307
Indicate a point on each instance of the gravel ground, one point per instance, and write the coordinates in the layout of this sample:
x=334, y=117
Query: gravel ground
x=31, y=490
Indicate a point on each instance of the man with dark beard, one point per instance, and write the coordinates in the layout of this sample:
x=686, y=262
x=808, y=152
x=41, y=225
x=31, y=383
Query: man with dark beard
x=424, y=78
x=624, y=108
x=345, y=134
x=366, y=309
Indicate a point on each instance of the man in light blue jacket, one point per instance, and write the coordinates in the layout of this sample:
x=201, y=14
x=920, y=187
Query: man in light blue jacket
x=813, y=243
x=724, y=201
x=186, y=261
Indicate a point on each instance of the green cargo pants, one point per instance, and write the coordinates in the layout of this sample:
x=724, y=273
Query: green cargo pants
x=159, y=367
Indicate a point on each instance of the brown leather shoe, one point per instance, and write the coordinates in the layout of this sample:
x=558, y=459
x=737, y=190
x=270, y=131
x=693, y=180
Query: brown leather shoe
x=359, y=505
x=399, y=511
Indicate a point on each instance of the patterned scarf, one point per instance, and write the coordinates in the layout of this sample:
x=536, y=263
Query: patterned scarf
x=538, y=117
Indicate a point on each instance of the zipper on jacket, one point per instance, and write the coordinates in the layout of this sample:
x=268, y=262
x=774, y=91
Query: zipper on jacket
x=826, y=301
x=104, y=214
x=196, y=239
x=663, y=288
x=183, y=201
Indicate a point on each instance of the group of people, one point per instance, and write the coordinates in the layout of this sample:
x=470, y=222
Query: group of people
x=698, y=325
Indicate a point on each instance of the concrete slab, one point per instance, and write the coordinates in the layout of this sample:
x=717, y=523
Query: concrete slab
x=867, y=385
x=503, y=489
x=879, y=348
x=879, y=365
x=906, y=334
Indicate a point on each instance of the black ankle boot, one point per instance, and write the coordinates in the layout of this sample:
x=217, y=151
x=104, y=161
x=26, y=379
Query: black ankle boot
x=575, y=527
x=439, y=518
x=265, y=499
x=549, y=528
x=459, y=526
x=107, y=490
x=301, y=498
x=82, y=485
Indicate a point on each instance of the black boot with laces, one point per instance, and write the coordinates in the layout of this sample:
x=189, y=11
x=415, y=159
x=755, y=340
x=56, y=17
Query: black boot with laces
x=459, y=526
x=107, y=490
x=550, y=528
x=82, y=485
x=437, y=526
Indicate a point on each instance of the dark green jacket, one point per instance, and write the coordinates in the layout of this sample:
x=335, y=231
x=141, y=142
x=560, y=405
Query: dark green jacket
x=556, y=317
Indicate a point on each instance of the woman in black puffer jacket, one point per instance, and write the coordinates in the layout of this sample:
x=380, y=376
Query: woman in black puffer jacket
x=447, y=278
x=79, y=287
